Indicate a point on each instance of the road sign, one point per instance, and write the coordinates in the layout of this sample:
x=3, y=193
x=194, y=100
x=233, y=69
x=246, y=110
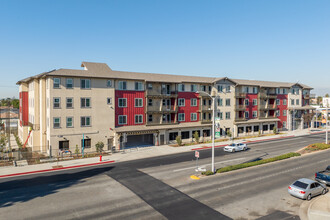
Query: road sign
x=197, y=154
x=217, y=127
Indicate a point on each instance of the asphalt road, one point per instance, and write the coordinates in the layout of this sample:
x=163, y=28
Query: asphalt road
x=160, y=187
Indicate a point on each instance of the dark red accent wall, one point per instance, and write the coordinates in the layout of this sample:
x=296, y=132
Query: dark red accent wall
x=187, y=109
x=282, y=107
x=24, y=108
x=130, y=110
x=251, y=107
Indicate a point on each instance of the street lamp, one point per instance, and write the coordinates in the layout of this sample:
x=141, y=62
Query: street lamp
x=213, y=119
x=326, y=122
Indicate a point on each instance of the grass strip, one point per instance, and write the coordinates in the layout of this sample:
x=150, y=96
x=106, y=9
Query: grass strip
x=317, y=146
x=251, y=164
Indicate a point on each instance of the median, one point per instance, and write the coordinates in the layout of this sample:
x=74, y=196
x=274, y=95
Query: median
x=251, y=164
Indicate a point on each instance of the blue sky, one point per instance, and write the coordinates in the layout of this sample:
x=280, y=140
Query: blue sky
x=255, y=39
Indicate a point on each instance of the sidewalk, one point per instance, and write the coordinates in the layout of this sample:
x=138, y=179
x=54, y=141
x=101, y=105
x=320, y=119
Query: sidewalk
x=133, y=154
x=316, y=209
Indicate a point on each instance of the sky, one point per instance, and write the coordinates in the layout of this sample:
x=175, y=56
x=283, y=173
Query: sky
x=275, y=40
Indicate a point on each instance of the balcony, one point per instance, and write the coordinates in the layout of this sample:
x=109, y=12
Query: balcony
x=163, y=123
x=240, y=119
x=206, y=121
x=160, y=95
x=161, y=109
x=205, y=108
x=306, y=96
x=267, y=95
x=240, y=107
x=240, y=95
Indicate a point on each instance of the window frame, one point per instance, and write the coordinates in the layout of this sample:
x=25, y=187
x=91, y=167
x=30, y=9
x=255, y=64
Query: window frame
x=59, y=83
x=66, y=122
x=140, y=101
x=59, y=123
x=66, y=83
x=85, y=84
x=138, y=86
x=109, y=86
x=85, y=106
x=180, y=104
x=122, y=84
x=122, y=116
x=123, y=106
x=181, y=114
x=68, y=102
x=138, y=116
x=193, y=118
x=85, y=117
x=193, y=102
x=59, y=103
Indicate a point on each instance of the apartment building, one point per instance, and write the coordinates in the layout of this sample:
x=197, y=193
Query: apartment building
x=65, y=108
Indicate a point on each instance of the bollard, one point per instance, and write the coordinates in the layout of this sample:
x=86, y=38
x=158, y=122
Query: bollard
x=100, y=157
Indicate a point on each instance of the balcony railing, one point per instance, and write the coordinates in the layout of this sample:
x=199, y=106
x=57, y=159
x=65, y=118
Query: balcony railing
x=238, y=119
x=162, y=94
x=306, y=96
x=240, y=95
x=240, y=107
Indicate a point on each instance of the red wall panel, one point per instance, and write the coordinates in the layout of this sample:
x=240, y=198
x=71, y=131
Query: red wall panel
x=24, y=108
x=282, y=107
x=187, y=109
x=130, y=110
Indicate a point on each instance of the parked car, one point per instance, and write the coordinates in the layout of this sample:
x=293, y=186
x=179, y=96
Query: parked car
x=323, y=176
x=235, y=147
x=306, y=189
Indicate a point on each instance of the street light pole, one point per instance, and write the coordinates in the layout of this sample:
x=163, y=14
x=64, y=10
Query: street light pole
x=326, y=123
x=213, y=126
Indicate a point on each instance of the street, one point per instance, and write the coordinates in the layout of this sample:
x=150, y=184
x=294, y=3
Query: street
x=161, y=187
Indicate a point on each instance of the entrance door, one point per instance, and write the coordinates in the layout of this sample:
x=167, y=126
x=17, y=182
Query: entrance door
x=110, y=143
x=162, y=139
x=63, y=145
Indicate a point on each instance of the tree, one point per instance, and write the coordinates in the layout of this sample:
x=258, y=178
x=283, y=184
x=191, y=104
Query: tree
x=319, y=100
x=327, y=95
x=99, y=146
x=178, y=140
x=15, y=103
x=275, y=130
x=196, y=137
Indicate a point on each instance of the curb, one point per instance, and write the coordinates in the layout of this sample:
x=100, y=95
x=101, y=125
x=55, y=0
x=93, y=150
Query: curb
x=245, y=142
x=55, y=169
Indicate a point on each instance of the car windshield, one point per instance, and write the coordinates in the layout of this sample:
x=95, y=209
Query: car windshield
x=300, y=184
x=232, y=145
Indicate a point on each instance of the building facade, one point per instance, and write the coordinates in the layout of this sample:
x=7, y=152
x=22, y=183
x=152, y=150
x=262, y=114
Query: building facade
x=65, y=108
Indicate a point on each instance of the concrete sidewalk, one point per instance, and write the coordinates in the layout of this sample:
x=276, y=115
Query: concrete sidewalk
x=316, y=209
x=133, y=154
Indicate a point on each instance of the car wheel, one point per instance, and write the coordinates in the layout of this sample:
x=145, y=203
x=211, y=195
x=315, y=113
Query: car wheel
x=233, y=151
x=323, y=191
x=244, y=148
x=309, y=197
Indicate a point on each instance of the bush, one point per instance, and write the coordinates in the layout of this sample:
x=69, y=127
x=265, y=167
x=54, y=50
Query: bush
x=255, y=163
x=207, y=173
x=77, y=150
x=275, y=130
x=228, y=133
x=196, y=137
x=178, y=140
x=317, y=146
x=99, y=146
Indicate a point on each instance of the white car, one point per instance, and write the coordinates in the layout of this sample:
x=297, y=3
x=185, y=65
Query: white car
x=235, y=147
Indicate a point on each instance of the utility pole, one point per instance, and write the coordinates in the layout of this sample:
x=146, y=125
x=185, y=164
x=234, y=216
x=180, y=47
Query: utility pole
x=326, y=123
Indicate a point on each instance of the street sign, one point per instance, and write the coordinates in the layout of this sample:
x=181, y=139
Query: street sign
x=197, y=154
x=217, y=127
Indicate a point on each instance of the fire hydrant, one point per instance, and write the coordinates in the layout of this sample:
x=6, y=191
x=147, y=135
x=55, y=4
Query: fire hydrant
x=100, y=157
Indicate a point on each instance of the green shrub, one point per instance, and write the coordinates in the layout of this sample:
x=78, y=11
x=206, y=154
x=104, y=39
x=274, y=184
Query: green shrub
x=275, y=130
x=255, y=163
x=196, y=137
x=99, y=146
x=317, y=146
x=178, y=140
x=228, y=133
x=207, y=173
x=77, y=150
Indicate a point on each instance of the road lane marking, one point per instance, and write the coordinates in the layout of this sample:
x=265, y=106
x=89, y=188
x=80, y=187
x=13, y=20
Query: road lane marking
x=187, y=168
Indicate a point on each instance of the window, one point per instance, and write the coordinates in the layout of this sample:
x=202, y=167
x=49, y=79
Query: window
x=149, y=102
x=86, y=143
x=204, y=101
x=285, y=91
x=69, y=83
x=284, y=112
x=254, y=102
x=297, y=101
x=220, y=115
x=254, y=114
x=193, y=102
x=85, y=121
x=227, y=88
x=227, y=102
x=138, y=102
x=57, y=102
x=210, y=116
x=185, y=135
x=193, y=117
x=246, y=89
x=149, y=118
x=122, y=102
x=277, y=112
x=122, y=119
x=204, y=116
x=284, y=102
x=255, y=90
x=109, y=101
x=220, y=88
x=57, y=122
x=138, y=86
x=109, y=83
x=85, y=102
x=181, y=117
x=181, y=102
x=138, y=119
x=57, y=82
x=219, y=102
x=150, y=86
x=284, y=124
x=246, y=102
x=203, y=88
x=292, y=101
x=246, y=114
x=277, y=90
x=69, y=102
x=193, y=87
x=227, y=115
x=181, y=88
x=210, y=102
x=85, y=83
x=173, y=135
x=122, y=85
x=277, y=102
x=69, y=122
